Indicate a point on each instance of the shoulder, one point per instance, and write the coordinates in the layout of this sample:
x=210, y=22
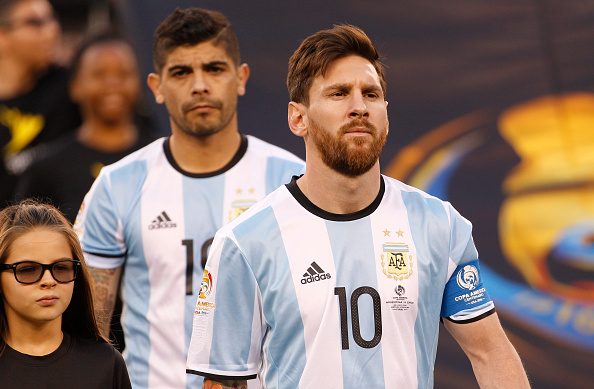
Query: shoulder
x=258, y=146
x=394, y=186
x=252, y=218
x=59, y=149
x=418, y=201
x=133, y=164
x=100, y=352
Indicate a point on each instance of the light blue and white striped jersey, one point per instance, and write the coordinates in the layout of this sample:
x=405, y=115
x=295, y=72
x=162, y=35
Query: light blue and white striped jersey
x=146, y=213
x=304, y=298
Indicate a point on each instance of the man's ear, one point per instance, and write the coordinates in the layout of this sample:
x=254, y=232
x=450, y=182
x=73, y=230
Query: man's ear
x=154, y=82
x=297, y=115
x=243, y=73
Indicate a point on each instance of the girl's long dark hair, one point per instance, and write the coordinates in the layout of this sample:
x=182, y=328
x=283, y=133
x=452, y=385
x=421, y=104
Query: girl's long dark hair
x=28, y=215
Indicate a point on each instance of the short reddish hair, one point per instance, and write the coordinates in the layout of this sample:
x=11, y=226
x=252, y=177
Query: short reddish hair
x=318, y=51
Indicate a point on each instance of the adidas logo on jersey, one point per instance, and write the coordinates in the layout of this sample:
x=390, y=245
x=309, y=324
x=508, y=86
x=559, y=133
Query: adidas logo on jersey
x=162, y=221
x=314, y=273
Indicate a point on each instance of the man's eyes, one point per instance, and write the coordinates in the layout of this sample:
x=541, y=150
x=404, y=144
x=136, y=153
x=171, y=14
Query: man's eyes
x=179, y=73
x=369, y=95
x=215, y=69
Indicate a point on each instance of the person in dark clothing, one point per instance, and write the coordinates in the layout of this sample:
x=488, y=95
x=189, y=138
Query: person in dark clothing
x=106, y=84
x=34, y=104
x=48, y=333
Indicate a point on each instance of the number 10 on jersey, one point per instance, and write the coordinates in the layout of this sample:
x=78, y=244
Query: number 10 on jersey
x=356, y=328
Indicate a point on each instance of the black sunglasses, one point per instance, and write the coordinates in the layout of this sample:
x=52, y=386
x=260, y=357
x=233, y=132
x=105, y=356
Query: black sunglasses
x=29, y=272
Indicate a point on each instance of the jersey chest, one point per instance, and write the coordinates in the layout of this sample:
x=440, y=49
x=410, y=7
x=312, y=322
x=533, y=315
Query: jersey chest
x=173, y=221
x=356, y=282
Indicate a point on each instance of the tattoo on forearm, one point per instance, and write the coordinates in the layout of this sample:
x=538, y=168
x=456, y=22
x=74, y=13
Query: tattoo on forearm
x=225, y=384
x=104, y=298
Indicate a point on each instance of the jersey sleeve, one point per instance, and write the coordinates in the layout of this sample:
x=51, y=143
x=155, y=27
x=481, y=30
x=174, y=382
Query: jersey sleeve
x=99, y=227
x=228, y=326
x=465, y=298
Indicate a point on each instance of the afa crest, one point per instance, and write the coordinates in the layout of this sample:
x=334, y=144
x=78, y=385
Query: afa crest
x=239, y=207
x=397, y=261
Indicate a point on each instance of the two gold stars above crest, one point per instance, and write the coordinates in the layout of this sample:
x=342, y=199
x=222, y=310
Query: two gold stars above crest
x=399, y=233
x=250, y=191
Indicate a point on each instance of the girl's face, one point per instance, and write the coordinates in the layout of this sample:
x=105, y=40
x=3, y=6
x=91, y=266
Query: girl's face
x=45, y=300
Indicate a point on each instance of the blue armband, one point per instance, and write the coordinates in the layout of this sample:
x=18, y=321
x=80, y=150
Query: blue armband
x=465, y=292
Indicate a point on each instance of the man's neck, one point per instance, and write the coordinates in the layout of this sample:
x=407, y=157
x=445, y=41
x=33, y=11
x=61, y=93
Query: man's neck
x=15, y=79
x=204, y=154
x=337, y=193
x=108, y=138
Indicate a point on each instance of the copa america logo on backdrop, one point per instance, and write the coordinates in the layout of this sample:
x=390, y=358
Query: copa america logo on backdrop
x=468, y=277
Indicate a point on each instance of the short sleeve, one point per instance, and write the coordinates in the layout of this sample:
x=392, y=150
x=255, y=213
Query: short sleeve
x=465, y=298
x=228, y=326
x=99, y=227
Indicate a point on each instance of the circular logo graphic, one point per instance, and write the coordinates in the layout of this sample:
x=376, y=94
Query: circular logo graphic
x=468, y=277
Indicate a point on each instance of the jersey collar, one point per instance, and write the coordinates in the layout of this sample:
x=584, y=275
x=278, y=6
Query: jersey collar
x=312, y=208
x=236, y=158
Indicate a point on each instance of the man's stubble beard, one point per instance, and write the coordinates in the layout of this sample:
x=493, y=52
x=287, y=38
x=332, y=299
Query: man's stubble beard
x=205, y=126
x=198, y=130
x=339, y=155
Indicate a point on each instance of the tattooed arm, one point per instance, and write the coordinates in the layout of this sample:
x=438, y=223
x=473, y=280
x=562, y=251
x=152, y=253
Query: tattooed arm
x=106, y=282
x=224, y=384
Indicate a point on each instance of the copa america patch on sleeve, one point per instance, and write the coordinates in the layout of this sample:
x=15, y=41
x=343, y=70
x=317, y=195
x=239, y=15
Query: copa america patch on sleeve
x=464, y=291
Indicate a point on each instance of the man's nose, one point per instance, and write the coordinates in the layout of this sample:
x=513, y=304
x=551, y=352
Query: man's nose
x=200, y=85
x=359, y=107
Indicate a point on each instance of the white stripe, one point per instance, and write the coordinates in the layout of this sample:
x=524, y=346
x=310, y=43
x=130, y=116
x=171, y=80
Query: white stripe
x=167, y=275
x=323, y=349
x=398, y=340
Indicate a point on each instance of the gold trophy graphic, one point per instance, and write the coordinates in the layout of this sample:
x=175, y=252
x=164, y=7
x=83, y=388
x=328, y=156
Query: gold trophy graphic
x=546, y=222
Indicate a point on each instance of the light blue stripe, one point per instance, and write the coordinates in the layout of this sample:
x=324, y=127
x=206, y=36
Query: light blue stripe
x=354, y=258
x=235, y=290
x=279, y=172
x=101, y=218
x=137, y=288
x=285, y=348
x=203, y=215
x=430, y=233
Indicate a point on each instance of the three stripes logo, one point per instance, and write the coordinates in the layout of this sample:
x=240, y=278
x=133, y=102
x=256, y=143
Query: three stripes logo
x=314, y=273
x=162, y=221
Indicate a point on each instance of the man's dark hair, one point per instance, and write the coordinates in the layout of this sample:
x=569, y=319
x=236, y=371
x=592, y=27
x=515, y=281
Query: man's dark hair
x=6, y=7
x=318, y=51
x=106, y=37
x=189, y=27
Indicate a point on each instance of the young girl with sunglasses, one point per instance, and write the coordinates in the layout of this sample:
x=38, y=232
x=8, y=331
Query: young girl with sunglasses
x=48, y=333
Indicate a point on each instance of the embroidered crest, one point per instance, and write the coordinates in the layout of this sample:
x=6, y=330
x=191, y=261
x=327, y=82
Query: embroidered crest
x=240, y=206
x=397, y=262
